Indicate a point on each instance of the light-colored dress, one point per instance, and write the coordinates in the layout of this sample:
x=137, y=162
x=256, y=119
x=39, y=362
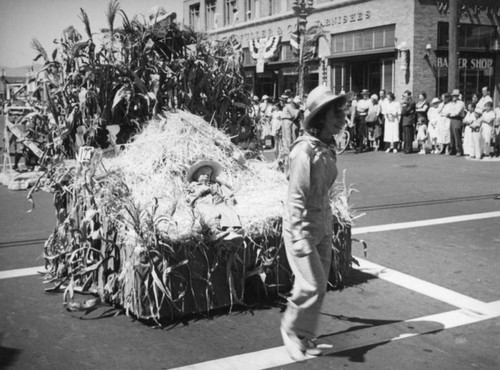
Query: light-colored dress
x=433, y=118
x=467, y=145
x=443, y=126
x=488, y=120
x=391, y=126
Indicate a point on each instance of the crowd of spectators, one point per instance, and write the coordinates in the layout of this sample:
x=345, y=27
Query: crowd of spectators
x=444, y=125
x=448, y=125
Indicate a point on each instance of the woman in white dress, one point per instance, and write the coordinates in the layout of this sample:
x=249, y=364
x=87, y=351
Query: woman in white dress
x=433, y=118
x=392, y=116
x=443, y=126
x=467, y=121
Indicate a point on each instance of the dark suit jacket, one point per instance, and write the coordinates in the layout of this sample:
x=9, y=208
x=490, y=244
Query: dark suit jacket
x=408, y=113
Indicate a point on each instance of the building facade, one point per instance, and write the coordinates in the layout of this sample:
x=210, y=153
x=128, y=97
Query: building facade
x=395, y=45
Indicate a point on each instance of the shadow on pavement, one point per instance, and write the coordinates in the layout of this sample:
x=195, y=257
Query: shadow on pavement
x=358, y=340
x=8, y=356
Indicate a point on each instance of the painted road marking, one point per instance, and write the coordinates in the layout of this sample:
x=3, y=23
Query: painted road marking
x=431, y=222
x=355, y=231
x=420, y=286
x=471, y=310
x=22, y=272
x=274, y=357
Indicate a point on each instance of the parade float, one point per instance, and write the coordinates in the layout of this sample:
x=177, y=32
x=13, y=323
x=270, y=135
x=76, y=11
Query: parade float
x=126, y=234
x=126, y=122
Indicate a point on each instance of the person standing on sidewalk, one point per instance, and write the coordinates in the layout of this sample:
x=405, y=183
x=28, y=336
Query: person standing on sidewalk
x=477, y=144
x=456, y=115
x=468, y=120
x=392, y=116
x=488, y=121
x=421, y=107
x=409, y=119
x=433, y=117
x=444, y=124
x=362, y=108
x=308, y=219
x=291, y=122
x=485, y=98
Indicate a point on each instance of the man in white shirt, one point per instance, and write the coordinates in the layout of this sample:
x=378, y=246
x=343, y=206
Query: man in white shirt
x=362, y=107
x=456, y=115
x=487, y=128
x=485, y=99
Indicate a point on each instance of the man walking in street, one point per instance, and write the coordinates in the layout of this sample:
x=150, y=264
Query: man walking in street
x=409, y=119
x=456, y=115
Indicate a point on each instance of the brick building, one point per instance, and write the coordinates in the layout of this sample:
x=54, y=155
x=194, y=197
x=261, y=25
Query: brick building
x=397, y=45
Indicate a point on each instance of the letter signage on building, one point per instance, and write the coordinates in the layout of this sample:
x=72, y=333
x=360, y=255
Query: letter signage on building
x=467, y=63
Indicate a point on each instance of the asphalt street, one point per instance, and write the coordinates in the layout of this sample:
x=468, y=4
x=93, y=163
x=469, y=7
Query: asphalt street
x=425, y=296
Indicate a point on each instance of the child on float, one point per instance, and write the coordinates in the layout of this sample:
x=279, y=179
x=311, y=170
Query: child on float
x=487, y=122
x=476, y=139
x=469, y=118
x=213, y=202
x=433, y=118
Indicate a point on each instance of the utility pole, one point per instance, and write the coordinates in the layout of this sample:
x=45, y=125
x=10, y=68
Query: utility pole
x=453, y=45
x=301, y=8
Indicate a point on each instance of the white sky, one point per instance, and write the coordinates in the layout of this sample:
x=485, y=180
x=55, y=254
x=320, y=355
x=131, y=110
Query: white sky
x=21, y=20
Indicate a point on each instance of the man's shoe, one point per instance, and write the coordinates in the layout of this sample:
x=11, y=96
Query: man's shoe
x=293, y=345
x=311, y=347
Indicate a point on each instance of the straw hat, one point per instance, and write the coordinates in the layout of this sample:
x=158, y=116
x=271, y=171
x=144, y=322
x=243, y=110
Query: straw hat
x=320, y=98
x=455, y=92
x=265, y=97
x=158, y=13
x=216, y=169
x=435, y=100
x=365, y=92
x=297, y=100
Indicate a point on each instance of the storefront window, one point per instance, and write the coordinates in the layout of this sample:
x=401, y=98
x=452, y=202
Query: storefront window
x=470, y=36
x=387, y=75
x=475, y=71
x=356, y=76
x=476, y=61
x=366, y=40
x=338, y=72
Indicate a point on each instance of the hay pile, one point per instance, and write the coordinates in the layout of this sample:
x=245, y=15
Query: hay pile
x=154, y=166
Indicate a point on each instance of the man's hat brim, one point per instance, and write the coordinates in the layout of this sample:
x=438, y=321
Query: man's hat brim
x=339, y=99
x=216, y=167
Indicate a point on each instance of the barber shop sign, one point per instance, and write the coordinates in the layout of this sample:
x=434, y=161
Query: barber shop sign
x=467, y=63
